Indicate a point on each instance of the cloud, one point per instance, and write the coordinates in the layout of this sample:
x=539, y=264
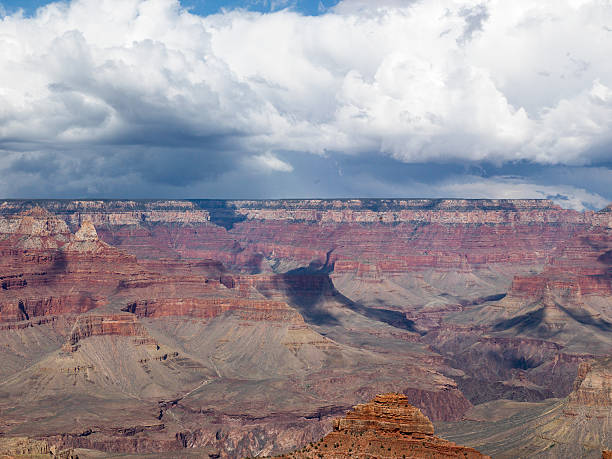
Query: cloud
x=568, y=197
x=143, y=91
x=475, y=17
x=269, y=162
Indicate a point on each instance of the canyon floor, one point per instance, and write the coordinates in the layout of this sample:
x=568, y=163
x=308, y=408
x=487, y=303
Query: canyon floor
x=243, y=328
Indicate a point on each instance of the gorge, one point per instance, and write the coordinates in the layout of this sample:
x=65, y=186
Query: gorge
x=243, y=328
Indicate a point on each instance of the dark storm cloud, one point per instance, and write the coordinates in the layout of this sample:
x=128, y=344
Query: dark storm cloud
x=28, y=163
x=181, y=167
x=160, y=166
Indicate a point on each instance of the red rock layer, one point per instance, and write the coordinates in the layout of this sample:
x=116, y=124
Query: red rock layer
x=386, y=427
x=100, y=325
x=359, y=236
x=582, y=266
x=28, y=308
x=207, y=308
x=386, y=413
x=86, y=326
x=392, y=249
x=396, y=236
x=46, y=270
x=43, y=262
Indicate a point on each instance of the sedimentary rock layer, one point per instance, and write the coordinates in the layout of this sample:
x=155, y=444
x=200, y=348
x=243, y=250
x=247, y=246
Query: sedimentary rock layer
x=386, y=427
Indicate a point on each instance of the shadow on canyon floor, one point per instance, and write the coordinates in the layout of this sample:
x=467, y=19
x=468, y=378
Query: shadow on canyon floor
x=312, y=304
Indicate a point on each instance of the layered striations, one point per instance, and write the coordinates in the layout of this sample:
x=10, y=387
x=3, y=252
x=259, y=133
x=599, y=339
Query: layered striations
x=579, y=425
x=386, y=427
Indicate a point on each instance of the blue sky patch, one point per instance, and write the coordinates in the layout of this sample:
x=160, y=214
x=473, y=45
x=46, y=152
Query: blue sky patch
x=206, y=7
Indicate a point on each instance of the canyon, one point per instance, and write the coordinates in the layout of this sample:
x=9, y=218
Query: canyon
x=244, y=328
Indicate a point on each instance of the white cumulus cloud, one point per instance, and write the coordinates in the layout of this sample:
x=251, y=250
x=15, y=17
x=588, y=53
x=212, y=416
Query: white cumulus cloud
x=269, y=162
x=569, y=197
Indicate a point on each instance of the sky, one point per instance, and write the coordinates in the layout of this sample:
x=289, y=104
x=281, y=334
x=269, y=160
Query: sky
x=206, y=7
x=307, y=98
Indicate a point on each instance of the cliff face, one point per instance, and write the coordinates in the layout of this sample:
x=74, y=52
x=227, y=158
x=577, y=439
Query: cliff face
x=207, y=308
x=581, y=266
x=105, y=325
x=393, y=210
x=109, y=212
x=47, y=270
x=387, y=426
x=411, y=234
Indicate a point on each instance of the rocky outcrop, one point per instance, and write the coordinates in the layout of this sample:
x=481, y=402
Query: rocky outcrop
x=386, y=427
x=34, y=229
x=207, y=308
x=593, y=385
x=47, y=270
x=33, y=449
x=388, y=413
x=104, y=325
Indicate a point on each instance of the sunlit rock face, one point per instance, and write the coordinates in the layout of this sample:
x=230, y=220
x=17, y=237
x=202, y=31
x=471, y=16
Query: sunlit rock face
x=387, y=426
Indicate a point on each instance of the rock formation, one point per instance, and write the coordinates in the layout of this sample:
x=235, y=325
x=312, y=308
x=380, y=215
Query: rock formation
x=593, y=385
x=386, y=427
x=32, y=449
